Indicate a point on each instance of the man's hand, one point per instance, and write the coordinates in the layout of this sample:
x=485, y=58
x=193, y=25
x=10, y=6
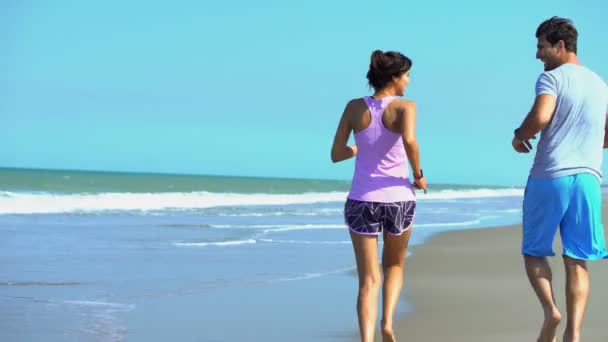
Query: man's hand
x=522, y=146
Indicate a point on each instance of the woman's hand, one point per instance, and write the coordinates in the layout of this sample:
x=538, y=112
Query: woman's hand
x=420, y=184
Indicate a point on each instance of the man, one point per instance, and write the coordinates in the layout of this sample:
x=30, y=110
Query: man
x=564, y=185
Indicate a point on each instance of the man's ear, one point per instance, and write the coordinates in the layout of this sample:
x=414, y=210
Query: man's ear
x=561, y=45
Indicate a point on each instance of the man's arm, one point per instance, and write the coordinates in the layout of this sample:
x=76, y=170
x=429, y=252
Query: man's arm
x=606, y=132
x=540, y=115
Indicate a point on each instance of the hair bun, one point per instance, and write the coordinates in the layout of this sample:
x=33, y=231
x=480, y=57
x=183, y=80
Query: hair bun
x=386, y=65
x=378, y=60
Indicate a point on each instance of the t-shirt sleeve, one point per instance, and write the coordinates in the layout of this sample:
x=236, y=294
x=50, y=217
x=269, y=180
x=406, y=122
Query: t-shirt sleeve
x=546, y=84
x=606, y=87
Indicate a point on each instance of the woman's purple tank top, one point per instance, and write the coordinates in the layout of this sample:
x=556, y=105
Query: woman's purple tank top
x=381, y=169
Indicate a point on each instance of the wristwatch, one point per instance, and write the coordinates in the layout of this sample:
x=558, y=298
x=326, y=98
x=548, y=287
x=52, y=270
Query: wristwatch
x=421, y=175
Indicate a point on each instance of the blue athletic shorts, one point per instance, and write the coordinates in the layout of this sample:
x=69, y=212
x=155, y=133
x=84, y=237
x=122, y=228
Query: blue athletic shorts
x=574, y=203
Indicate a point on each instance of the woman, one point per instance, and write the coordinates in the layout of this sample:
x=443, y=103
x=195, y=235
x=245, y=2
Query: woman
x=381, y=198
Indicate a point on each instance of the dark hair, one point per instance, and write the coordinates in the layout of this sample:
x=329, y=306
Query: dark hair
x=386, y=65
x=556, y=29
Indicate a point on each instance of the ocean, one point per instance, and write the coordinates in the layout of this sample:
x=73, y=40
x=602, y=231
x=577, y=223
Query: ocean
x=108, y=256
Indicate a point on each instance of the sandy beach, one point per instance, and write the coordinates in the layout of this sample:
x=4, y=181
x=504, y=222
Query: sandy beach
x=471, y=286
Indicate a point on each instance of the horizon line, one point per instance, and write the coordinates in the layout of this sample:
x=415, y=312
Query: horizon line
x=217, y=175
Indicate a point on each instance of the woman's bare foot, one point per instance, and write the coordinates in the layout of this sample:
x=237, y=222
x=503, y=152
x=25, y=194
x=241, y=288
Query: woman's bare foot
x=388, y=336
x=547, y=332
x=387, y=333
x=570, y=337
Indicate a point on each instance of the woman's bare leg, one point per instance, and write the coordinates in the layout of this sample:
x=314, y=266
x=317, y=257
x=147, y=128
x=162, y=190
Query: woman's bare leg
x=366, y=253
x=393, y=259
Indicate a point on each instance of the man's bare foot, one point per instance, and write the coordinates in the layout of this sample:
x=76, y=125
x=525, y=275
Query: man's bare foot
x=547, y=332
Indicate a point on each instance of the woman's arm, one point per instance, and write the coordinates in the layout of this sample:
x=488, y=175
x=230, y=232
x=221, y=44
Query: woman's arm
x=408, y=127
x=340, y=150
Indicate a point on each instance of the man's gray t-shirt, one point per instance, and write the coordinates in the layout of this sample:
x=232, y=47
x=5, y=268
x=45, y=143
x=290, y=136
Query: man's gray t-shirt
x=573, y=141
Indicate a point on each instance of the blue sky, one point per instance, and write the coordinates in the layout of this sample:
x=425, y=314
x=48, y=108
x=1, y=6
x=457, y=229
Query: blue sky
x=257, y=88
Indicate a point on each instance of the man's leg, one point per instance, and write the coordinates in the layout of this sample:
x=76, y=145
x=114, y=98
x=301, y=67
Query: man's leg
x=539, y=274
x=545, y=202
x=583, y=239
x=577, y=293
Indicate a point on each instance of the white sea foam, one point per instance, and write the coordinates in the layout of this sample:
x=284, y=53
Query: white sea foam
x=311, y=275
x=265, y=230
x=41, y=203
x=274, y=228
x=473, y=193
x=29, y=203
x=307, y=242
x=118, y=306
x=216, y=243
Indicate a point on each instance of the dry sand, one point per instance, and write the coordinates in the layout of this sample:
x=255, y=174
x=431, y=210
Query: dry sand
x=471, y=286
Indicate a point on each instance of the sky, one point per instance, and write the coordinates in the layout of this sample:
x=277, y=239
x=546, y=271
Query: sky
x=257, y=88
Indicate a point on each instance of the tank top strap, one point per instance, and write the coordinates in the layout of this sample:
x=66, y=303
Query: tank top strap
x=377, y=106
x=387, y=100
x=370, y=102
